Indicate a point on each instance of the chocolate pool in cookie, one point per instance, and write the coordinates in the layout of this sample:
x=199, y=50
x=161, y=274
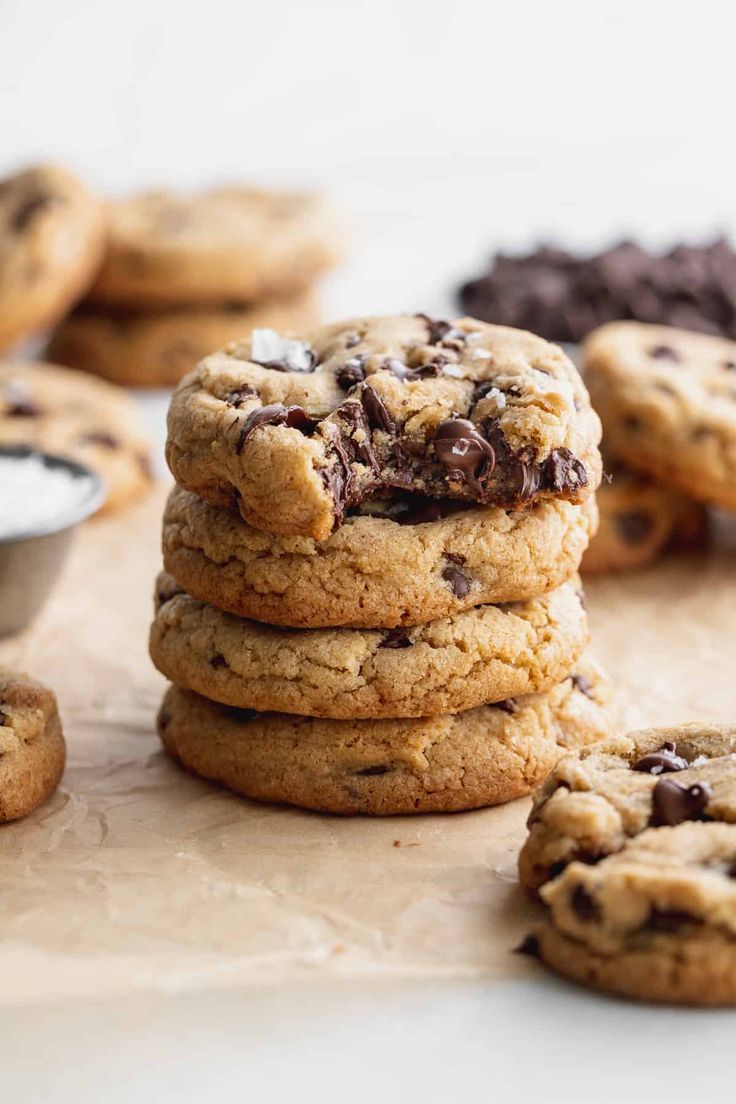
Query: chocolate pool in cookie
x=296, y=433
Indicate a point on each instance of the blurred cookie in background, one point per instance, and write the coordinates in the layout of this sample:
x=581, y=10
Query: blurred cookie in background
x=233, y=244
x=157, y=348
x=32, y=748
x=640, y=519
x=563, y=296
x=73, y=415
x=51, y=244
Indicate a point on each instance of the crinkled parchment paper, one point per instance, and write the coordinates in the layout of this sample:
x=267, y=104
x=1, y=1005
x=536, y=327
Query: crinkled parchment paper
x=136, y=876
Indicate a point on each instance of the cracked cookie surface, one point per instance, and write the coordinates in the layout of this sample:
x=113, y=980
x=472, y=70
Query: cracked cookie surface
x=72, y=414
x=157, y=348
x=486, y=654
x=232, y=244
x=379, y=570
x=295, y=433
x=484, y=756
x=667, y=398
x=32, y=749
x=51, y=242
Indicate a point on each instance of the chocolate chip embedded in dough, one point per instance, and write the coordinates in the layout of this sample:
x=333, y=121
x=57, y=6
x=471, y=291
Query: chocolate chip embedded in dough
x=662, y=761
x=295, y=417
x=351, y=373
x=583, y=905
x=466, y=454
x=458, y=579
x=376, y=412
x=369, y=772
x=396, y=638
x=673, y=803
x=583, y=684
x=240, y=395
x=218, y=660
x=508, y=705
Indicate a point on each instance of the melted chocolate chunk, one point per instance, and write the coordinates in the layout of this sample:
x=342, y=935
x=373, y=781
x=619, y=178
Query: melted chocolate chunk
x=368, y=772
x=218, y=660
x=351, y=373
x=240, y=395
x=563, y=471
x=275, y=414
x=18, y=403
x=583, y=905
x=662, y=761
x=633, y=526
x=26, y=213
x=583, y=684
x=673, y=803
x=396, y=638
x=105, y=440
x=529, y=946
x=665, y=352
x=376, y=412
x=356, y=444
x=459, y=581
x=464, y=452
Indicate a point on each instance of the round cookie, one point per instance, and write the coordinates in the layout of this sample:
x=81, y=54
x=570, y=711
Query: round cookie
x=486, y=654
x=655, y=921
x=376, y=570
x=667, y=398
x=32, y=749
x=51, y=243
x=72, y=414
x=225, y=245
x=484, y=756
x=595, y=800
x=298, y=432
x=639, y=518
x=157, y=348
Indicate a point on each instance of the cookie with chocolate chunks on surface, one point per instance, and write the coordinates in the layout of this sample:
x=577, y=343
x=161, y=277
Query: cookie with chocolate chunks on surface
x=485, y=654
x=412, y=560
x=298, y=432
x=32, y=749
x=667, y=398
x=157, y=348
x=72, y=414
x=51, y=241
x=484, y=756
x=231, y=244
x=593, y=802
x=639, y=520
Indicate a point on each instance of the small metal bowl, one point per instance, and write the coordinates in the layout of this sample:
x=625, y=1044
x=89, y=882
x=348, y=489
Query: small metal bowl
x=30, y=562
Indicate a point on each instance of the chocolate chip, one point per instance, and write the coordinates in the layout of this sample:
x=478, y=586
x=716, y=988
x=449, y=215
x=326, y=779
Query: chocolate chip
x=665, y=352
x=438, y=328
x=351, y=340
x=240, y=395
x=673, y=803
x=669, y=920
x=276, y=414
x=529, y=946
x=583, y=684
x=18, y=402
x=356, y=444
x=563, y=471
x=458, y=579
x=25, y=214
x=464, y=452
x=583, y=905
x=508, y=705
x=423, y=371
x=350, y=373
x=414, y=509
x=105, y=440
x=368, y=772
x=376, y=412
x=633, y=526
x=396, y=638
x=662, y=761
x=218, y=660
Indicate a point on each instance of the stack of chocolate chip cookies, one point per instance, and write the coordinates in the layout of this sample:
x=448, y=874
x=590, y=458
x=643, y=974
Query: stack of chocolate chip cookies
x=370, y=601
x=183, y=275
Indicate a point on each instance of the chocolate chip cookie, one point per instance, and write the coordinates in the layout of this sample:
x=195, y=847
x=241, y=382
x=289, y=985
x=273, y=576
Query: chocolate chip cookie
x=157, y=348
x=72, y=414
x=486, y=654
x=412, y=561
x=667, y=398
x=633, y=843
x=481, y=757
x=639, y=520
x=51, y=243
x=298, y=432
x=226, y=245
x=32, y=749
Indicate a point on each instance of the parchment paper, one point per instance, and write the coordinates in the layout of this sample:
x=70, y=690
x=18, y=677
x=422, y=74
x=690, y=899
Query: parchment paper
x=136, y=876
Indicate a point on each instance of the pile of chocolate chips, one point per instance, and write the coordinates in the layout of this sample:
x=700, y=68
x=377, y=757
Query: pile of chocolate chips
x=564, y=297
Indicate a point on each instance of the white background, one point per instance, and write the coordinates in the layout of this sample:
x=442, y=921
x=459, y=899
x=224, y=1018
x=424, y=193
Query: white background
x=445, y=130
